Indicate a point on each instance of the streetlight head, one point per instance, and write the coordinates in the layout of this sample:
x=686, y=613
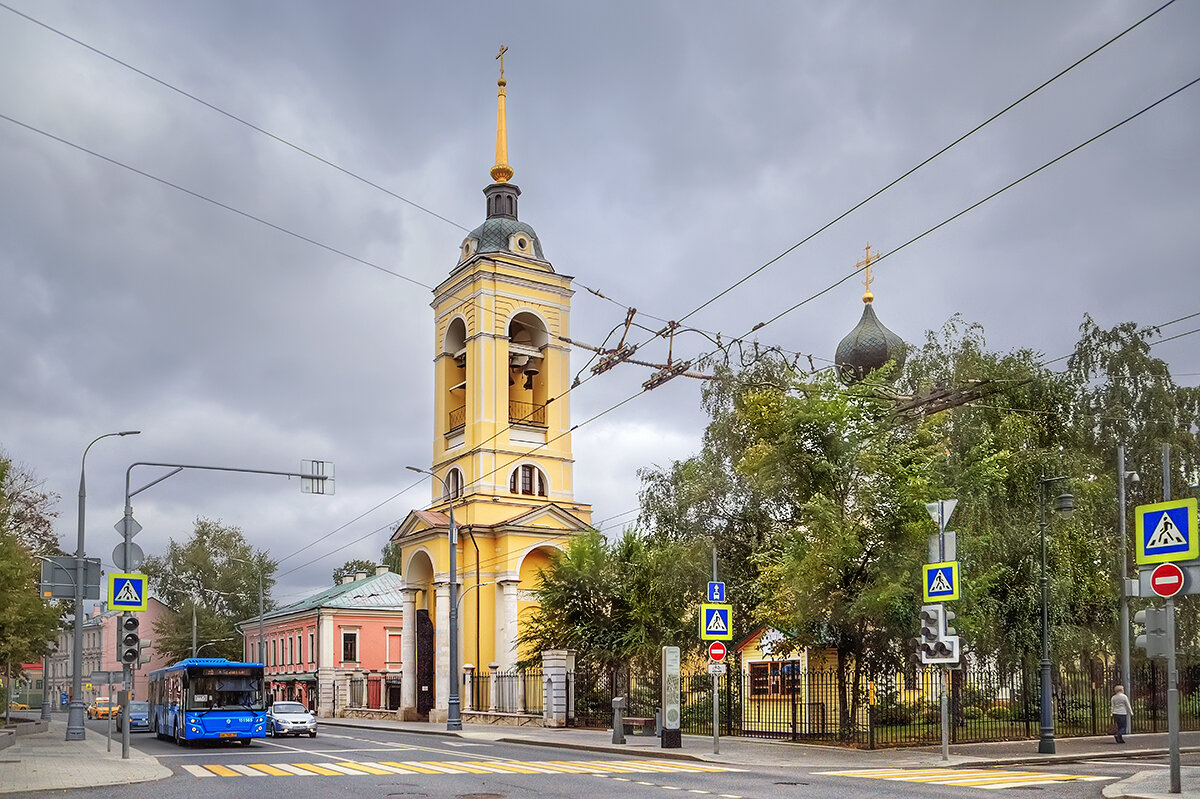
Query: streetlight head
x=1064, y=504
x=415, y=469
x=130, y=433
x=1135, y=477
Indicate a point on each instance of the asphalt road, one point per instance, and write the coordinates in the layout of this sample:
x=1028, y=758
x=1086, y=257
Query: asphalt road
x=343, y=762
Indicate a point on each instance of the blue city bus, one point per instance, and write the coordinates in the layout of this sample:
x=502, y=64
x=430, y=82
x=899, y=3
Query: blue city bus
x=202, y=699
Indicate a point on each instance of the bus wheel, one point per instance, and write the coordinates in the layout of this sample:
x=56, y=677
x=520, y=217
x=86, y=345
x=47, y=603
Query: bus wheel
x=244, y=742
x=179, y=739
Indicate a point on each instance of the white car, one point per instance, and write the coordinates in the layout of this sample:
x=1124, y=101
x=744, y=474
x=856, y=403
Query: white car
x=291, y=718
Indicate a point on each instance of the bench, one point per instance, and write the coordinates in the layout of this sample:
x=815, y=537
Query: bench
x=631, y=724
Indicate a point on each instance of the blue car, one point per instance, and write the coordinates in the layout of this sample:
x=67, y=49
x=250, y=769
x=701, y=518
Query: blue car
x=139, y=717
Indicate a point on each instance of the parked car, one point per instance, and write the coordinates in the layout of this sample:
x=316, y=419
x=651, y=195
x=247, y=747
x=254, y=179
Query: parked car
x=139, y=717
x=18, y=706
x=291, y=718
x=100, y=708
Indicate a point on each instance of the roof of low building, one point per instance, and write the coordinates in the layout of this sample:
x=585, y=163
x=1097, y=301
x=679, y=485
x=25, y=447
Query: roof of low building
x=377, y=592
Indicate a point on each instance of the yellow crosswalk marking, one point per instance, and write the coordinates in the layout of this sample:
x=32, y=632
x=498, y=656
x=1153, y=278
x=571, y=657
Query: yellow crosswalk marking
x=446, y=767
x=366, y=768
x=271, y=770
x=991, y=779
x=315, y=769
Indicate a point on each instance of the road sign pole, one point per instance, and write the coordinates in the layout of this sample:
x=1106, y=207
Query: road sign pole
x=1172, y=675
x=716, y=681
x=945, y=712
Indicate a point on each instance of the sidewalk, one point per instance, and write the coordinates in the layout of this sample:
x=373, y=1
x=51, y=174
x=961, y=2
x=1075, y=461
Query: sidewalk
x=46, y=761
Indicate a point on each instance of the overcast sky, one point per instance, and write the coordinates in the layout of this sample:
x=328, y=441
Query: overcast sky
x=664, y=150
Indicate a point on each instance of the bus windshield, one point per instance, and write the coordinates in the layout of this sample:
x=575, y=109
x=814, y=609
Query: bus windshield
x=224, y=692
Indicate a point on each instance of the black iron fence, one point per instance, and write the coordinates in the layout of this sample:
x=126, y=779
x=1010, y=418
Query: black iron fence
x=504, y=691
x=781, y=699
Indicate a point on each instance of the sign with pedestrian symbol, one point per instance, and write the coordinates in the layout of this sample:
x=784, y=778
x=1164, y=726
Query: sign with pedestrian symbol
x=715, y=622
x=1166, y=531
x=941, y=581
x=127, y=591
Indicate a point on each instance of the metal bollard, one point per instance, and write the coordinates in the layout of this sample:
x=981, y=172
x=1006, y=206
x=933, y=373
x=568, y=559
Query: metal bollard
x=618, y=720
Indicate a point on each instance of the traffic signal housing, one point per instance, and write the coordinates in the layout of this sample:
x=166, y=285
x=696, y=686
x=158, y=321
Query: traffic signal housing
x=1154, y=640
x=130, y=642
x=938, y=642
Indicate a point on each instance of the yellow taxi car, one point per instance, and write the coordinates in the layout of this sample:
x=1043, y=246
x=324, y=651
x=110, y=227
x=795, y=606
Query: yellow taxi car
x=100, y=708
x=18, y=706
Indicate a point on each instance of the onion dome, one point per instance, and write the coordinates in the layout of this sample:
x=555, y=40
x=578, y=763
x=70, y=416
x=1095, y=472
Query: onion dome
x=869, y=345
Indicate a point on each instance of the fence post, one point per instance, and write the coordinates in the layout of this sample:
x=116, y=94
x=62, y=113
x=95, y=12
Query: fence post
x=494, y=685
x=554, y=666
x=468, y=686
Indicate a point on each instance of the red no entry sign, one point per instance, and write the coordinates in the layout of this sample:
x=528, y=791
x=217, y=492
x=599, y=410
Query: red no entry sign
x=1167, y=580
x=716, y=650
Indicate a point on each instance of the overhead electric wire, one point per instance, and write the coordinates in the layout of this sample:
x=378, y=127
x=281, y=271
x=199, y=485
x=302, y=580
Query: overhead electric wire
x=926, y=161
x=856, y=271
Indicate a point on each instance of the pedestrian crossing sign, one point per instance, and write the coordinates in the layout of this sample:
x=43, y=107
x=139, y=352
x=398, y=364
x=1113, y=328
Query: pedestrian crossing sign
x=941, y=581
x=127, y=591
x=716, y=622
x=1166, y=531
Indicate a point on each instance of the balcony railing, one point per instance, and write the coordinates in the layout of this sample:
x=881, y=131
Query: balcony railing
x=526, y=413
x=458, y=417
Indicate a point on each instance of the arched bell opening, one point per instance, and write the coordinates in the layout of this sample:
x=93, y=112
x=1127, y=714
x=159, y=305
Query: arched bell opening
x=527, y=378
x=454, y=374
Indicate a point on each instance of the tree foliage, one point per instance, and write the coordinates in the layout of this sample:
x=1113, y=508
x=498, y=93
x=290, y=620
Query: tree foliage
x=352, y=567
x=28, y=624
x=616, y=603
x=29, y=510
x=214, y=578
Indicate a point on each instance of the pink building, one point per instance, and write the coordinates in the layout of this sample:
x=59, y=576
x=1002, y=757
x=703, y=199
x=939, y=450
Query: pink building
x=345, y=638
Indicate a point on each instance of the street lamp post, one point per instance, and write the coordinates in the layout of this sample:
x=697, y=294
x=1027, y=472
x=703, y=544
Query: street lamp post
x=453, y=707
x=1064, y=504
x=1124, y=596
x=75, y=729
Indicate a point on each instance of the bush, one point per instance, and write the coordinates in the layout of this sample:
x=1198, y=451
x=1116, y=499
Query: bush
x=972, y=712
x=1000, y=713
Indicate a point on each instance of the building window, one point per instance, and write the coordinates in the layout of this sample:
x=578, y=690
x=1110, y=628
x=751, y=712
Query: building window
x=454, y=484
x=349, y=647
x=291, y=650
x=311, y=657
x=528, y=480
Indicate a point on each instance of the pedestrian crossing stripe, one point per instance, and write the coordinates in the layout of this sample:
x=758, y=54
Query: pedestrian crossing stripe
x=127, y=591
x=988, y=779
x=347, y=768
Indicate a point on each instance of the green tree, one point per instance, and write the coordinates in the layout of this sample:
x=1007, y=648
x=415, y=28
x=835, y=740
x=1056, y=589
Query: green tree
x=29, y=509
x=352, y=567
x=213, y=577
x=28, y=624
x=616, y=603
x=390, y=556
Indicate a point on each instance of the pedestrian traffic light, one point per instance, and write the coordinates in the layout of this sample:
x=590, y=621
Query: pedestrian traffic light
x=937, y=643
x=130, y=649
x=1154, y=641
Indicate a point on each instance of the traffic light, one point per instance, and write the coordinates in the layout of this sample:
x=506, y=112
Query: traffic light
x=1154, y=641
x=937, y=643
x=130, y=649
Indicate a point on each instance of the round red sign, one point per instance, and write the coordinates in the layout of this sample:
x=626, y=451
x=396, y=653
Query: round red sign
x=716, y=651
x=1167, y=580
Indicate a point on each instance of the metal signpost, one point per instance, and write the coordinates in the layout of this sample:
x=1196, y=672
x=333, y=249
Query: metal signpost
x=716, y=625
x=938, y=642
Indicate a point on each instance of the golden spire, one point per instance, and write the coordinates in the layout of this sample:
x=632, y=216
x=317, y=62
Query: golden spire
x=501, y=172
x=865, y=264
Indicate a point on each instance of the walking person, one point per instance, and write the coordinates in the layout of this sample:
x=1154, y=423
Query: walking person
x=1121, y=711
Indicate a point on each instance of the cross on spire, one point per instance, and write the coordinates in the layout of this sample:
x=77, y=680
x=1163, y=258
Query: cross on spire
x=865, y=265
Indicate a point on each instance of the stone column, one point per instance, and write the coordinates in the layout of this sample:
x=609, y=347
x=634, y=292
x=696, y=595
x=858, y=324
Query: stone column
x=506, y=649
x=441, y=633
x=408, y=654
x=468, y=694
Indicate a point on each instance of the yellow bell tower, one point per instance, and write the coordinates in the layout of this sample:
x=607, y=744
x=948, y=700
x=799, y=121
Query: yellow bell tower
x=501, y=444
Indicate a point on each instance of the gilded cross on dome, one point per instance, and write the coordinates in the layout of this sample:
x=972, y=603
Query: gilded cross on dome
x=865, y=264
